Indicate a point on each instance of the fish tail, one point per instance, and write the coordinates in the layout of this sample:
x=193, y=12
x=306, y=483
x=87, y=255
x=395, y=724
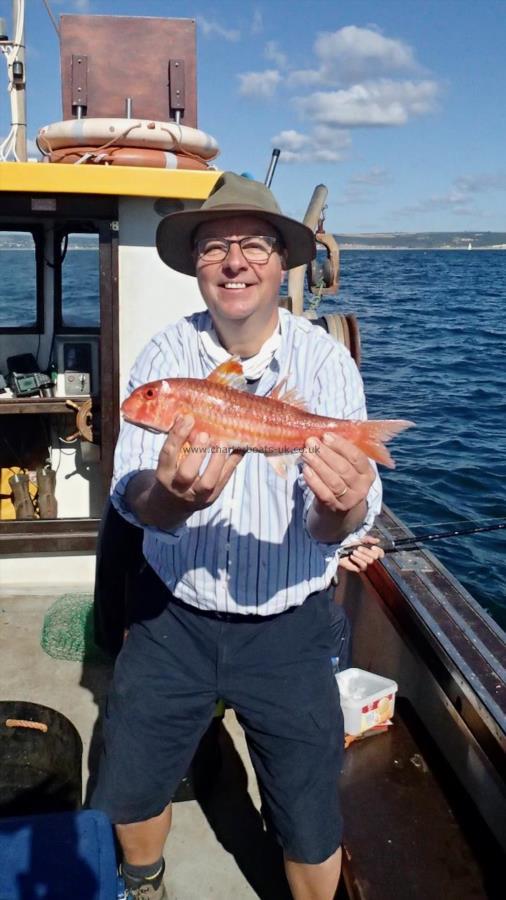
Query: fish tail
x=371, y=437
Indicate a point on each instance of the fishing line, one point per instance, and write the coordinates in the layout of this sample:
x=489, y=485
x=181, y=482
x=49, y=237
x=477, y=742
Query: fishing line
x=411, y=543
x=454, y=522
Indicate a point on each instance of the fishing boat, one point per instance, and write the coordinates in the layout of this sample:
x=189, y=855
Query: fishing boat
x=424, y=802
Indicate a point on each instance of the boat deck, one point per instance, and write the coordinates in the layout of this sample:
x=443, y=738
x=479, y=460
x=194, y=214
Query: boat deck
x=217, y=847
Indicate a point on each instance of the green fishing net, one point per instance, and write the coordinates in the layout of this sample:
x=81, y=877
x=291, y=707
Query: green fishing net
x=67, y=631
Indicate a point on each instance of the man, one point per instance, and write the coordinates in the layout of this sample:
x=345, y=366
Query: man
x=239, y=559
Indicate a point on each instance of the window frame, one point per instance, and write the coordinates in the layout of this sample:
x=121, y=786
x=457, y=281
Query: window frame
x=37, y=232
x=59, y=325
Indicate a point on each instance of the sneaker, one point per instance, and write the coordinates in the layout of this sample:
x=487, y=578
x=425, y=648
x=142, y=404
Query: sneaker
x=152, y=889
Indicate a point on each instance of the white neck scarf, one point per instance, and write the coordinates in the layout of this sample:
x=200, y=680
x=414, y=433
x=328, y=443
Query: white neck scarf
x=254, y=366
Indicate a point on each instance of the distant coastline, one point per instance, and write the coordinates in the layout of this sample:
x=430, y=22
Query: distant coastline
x=423, y=240
x=400, y=240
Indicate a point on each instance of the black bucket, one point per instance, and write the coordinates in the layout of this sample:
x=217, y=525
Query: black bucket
x=40, y=760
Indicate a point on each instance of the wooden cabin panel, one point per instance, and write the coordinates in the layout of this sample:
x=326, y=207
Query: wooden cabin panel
x=128, y=56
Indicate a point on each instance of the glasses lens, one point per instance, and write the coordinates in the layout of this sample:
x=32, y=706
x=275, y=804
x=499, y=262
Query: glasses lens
x=212, y=250
x=257, y=249
x=254, y=249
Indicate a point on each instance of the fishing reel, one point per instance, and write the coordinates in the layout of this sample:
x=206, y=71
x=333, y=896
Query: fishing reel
x=323, y=272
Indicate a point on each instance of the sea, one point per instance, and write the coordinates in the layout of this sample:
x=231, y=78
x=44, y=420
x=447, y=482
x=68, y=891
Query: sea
x=433, y=334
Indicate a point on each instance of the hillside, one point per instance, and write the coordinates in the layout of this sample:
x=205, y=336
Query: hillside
x=424, y=240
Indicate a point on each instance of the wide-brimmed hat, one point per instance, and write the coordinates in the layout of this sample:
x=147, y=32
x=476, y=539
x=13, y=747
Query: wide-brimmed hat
x=232, y=195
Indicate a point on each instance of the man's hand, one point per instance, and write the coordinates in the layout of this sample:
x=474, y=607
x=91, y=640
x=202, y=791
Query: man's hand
x=168, y=496
x=340, y=476
x=178, y=468
x=362, y=555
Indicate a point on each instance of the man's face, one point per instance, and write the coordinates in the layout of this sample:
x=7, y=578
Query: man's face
x=235, y=289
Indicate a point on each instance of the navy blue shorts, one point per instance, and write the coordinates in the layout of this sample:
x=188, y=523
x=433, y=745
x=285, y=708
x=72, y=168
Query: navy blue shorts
x=276, y=674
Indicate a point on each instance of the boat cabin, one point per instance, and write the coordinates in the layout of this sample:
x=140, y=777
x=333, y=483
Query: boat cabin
x=83, y=287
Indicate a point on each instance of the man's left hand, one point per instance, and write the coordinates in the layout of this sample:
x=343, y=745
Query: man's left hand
x=337, y=472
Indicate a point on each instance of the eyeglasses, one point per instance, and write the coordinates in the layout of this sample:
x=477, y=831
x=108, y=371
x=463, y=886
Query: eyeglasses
x=257, y=249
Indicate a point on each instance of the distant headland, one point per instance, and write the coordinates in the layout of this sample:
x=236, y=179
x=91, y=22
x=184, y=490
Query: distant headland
x=424, y=240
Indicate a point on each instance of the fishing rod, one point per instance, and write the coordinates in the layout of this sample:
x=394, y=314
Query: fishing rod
x=409, y=543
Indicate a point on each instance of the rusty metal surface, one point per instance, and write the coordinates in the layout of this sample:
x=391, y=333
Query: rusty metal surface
x=401, y=839
x=129, y=57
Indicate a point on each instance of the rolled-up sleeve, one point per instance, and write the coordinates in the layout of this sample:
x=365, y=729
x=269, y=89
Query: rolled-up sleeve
x=138, y=449
x=339, y=393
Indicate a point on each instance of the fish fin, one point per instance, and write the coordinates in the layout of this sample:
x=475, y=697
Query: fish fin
x=230, y=373
x=281, y=462
x=291, y=397
x=372, y=436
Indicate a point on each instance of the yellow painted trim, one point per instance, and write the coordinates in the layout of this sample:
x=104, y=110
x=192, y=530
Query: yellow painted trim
x=118, y=181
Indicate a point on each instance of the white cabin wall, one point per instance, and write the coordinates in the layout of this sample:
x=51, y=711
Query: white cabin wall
x=46, y=569
x=150, y=294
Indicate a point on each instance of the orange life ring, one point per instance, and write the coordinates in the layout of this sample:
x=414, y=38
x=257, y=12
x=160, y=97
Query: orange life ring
x=126, y=156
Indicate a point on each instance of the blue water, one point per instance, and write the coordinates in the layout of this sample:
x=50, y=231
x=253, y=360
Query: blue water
x=433, y=329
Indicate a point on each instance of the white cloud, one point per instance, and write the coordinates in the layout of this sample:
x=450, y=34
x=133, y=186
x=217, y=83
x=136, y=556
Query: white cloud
x=353, y=54
x=455, y=201
x=478, y=184
x=259, y=84
x=376, y=103
x=274, y=54
x=460, y=199
x=79, y=6
x=304, y=78
x=214, y=28
x=375, y=177
x=322, y=145
x=257, y=23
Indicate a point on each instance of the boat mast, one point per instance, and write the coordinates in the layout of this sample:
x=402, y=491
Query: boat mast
x=14, y=52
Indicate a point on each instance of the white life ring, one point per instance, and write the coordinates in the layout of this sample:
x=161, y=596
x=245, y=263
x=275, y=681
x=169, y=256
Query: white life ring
x=126, y=133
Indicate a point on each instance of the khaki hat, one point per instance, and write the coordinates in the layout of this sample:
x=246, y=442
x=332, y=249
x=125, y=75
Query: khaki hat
x=232, y=195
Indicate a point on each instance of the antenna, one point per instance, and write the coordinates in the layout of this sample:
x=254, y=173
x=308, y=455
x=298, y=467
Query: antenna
x=272, y=167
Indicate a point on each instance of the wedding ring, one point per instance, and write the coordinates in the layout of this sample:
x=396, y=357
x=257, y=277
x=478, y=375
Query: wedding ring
x=338, y=496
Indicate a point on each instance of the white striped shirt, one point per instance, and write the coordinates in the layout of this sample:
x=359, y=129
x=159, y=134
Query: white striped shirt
x=250, y=551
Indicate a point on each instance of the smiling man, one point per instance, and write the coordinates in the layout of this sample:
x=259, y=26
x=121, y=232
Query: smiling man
x=239, y=561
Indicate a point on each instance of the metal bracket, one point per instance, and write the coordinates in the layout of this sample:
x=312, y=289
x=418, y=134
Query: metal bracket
x=323, y=276
x=79, y=84
x=176, y=88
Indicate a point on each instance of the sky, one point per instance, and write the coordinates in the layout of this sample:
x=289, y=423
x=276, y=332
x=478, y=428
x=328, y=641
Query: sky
x=397, y=106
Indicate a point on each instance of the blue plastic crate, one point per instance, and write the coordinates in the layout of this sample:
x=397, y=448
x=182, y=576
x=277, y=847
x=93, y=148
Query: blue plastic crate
x=61, y=856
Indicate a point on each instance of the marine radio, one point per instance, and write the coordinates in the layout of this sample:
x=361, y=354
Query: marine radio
x=27, y=384
x=24, y=378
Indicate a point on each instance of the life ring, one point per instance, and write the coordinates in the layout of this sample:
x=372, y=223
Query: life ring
x=126, y=156
x=126, y=133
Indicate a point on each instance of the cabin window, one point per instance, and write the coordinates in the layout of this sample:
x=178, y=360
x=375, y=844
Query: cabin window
x=21, y=280
x=77, y=282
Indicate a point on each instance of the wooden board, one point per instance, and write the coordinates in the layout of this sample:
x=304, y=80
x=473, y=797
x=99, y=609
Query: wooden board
x=128, y=56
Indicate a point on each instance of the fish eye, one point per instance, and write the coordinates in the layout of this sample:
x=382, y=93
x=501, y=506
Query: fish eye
x=149, y=393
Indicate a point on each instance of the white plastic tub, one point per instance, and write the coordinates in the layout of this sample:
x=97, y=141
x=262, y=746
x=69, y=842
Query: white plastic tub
x=366, y=699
